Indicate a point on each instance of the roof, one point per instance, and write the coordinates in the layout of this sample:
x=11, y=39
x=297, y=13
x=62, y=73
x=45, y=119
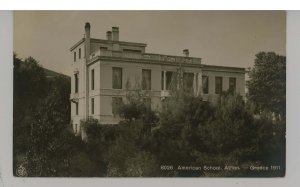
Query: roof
x=94, y=40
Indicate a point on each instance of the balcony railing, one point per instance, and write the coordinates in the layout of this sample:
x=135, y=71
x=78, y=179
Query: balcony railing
x=147, y=56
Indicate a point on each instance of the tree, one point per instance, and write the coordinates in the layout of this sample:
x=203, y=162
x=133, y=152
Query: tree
x=43, y=141
x=267, y=84
x=51, y=141
x=30, y=86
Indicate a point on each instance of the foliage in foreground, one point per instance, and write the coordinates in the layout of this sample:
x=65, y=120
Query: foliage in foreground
x=190, y=131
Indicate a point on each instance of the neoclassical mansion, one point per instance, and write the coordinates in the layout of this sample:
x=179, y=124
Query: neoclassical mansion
x=104, y=67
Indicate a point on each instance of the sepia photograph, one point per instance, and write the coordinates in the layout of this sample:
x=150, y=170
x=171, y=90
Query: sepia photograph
x=149, y=93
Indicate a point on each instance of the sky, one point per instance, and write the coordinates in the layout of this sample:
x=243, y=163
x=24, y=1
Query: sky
x=226, y=38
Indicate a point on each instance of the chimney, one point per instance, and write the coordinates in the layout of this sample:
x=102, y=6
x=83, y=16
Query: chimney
x=87, y=30
x=87, y=39
x=108, y=35
x=115, y=33
x=87, y=45
x=186, y=53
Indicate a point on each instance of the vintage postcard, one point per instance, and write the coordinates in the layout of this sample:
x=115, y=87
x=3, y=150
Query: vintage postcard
x=149, y=94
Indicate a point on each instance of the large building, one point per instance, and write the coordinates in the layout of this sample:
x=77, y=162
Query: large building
x=105, y=69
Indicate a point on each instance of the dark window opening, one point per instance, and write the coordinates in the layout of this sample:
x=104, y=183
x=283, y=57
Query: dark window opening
x=74, y=56
x=76, y=83
x=146, y=79
x=219, y=85
x=162, y=80
x=205, y=82
x=76, y=108
x=92, y=105
x=93, y=79
x=132, y=50
x=117, y=78
x=188, y=81
x=75, y=129
x=232, y=84
x=116, y=103
x=103, y=48
x=79, y=53
x=170, y=80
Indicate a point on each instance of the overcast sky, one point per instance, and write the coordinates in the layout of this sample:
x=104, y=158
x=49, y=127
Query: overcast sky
x=227, y=38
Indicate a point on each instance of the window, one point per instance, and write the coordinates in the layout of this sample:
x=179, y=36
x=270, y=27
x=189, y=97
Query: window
x=132, y=50
x=74, y=56
x=218, y=84
x=205, y=84
x=76, y=83
x=103, y=48
x=232, y=84
x=188, y=81
x=79, y=53
x=162, y=80
x=116, y=103
x=147, y=102
x=93, y=79
x=170, y=79
x=92, y=105
x=146, y=79
x=76, y=108
x=117, y=78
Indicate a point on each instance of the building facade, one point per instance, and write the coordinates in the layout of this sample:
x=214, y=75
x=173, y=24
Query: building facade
x=105, y=69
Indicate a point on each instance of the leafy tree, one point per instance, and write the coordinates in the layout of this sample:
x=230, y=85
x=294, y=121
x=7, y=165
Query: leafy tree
x=43, y=141
x=128, y=156
x=51, y=141
x=30, y=87
x=177, y=137
x=267, y=84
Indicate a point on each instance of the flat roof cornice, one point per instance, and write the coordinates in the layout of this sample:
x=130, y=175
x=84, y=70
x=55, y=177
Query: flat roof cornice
x=143, y=61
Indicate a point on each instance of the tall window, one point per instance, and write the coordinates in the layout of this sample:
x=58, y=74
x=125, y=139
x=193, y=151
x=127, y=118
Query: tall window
x=218, y=84
x=232, y=84
x=76, y=83
x=188, y=81
x=147, y=102
x=170, y=79
x=92, y=105
x=79, y=53
x=76, y=108
x=205, y=84
x=75, y=130
x=117, y=78
x=146, y=79
x=116, y=103
x=162, y=80
x=74, y=56
x=93, y=79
